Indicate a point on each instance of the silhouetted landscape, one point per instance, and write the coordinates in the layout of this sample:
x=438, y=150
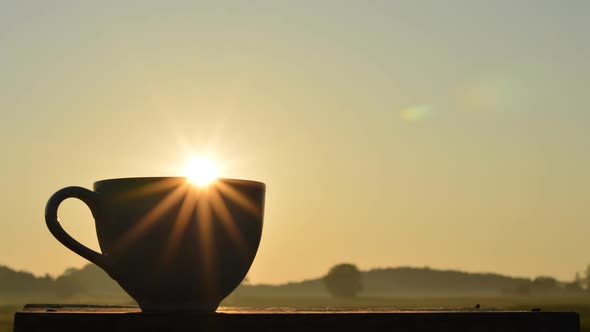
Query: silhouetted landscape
x=394, y=287
x=399, y=282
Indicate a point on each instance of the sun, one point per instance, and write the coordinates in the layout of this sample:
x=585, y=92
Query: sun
x=201, y=171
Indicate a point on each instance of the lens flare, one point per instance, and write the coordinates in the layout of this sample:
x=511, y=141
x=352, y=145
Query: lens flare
x=201, y=171
x=417, y=113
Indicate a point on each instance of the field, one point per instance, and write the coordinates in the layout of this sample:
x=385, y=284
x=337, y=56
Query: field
x=580, y=305
x=6, y=316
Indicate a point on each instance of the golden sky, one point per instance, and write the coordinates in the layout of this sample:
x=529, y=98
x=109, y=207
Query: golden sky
x=423, y=133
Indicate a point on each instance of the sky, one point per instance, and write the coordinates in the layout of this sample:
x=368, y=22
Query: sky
x=449, y=134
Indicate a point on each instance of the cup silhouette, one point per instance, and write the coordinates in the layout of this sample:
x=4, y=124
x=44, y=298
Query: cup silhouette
x=171, y=245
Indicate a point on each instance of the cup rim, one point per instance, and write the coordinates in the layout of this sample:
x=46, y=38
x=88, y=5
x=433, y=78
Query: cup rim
x=238, y=181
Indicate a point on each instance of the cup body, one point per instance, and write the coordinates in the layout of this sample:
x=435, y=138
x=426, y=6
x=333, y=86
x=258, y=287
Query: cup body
x=175, y=246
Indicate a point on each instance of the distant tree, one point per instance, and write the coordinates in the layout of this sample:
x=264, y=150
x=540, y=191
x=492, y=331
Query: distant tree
x=65, y=289
x=578, y=280
x=68, y=284
x=586, y=281
x=343, y=280
x=573, y=287
x=543, y=281
x=545, y=284
x=523, y=289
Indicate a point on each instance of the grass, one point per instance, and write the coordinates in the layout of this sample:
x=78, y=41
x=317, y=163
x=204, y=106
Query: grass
x=7, y=316
x=580, y=305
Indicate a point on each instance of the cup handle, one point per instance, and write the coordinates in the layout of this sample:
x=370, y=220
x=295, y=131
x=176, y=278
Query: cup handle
x=89, y=198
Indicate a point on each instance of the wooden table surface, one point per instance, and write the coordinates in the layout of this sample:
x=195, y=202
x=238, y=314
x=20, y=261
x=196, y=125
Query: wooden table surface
x=90, y=318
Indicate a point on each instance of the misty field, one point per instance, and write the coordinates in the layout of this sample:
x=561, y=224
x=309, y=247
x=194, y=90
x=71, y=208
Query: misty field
x=6, y=317
x=580, y=305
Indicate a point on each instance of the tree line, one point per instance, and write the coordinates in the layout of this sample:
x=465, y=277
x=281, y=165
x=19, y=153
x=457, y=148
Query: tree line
x=346, y=280
x=342, y=280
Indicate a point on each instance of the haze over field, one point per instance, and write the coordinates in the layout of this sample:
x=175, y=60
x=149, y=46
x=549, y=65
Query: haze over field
x=389, y=133
x=391, y=285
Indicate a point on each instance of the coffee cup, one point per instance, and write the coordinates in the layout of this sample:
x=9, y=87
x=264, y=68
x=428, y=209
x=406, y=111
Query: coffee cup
x=172, y=245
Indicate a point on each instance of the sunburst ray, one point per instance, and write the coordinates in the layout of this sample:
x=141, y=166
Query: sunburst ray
x=229, y=223
x=149, y=188
x=182, y=221
x=205, y=238
x=239, y=198
x=150, y=218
